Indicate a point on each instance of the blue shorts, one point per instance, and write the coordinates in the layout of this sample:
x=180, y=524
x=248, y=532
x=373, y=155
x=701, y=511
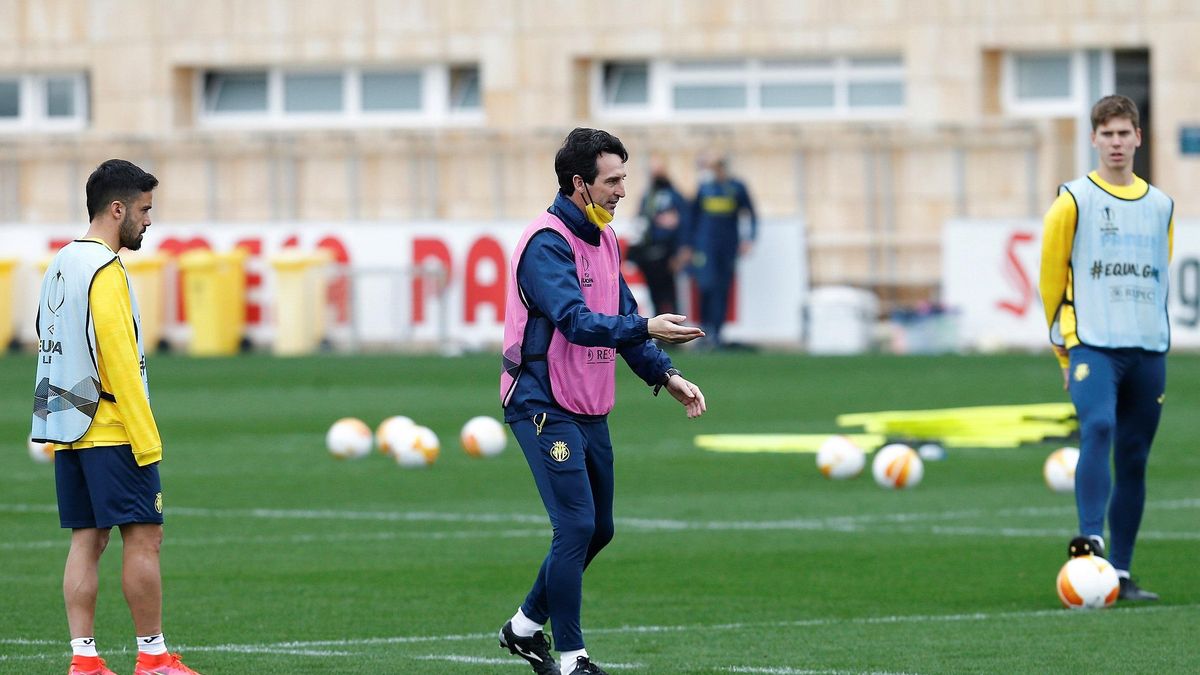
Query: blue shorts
x=102, y=487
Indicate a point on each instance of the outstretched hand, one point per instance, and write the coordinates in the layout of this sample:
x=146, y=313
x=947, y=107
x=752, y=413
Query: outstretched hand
x=670, y=328
x=688, y=394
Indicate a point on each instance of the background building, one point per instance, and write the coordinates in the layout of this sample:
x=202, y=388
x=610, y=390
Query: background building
x=868, y=123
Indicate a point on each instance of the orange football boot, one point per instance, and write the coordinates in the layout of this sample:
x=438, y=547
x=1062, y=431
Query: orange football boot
x=88, y=665
x=161, y=664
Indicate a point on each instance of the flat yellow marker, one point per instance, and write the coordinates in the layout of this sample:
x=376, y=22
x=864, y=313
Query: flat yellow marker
x=780, y=442
x=992, y=426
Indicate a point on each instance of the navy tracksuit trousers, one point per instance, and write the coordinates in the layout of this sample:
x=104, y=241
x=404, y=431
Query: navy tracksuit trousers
x=572, y=464
x=1118, y=397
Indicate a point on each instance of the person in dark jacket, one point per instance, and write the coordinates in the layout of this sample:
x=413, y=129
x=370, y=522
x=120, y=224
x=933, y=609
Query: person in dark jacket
x=718, y=241
x=665, y=215
x=568, y=315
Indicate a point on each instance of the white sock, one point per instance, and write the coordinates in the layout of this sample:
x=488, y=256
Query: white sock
x=566, y=660
x=1122, y=574
x=84, y=646
x=152, y=644
x=524, y=626
x=1099, y=540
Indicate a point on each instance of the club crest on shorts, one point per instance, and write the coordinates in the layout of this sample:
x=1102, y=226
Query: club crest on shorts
x=158, y=502
x=1081, y=372
x=559, y=451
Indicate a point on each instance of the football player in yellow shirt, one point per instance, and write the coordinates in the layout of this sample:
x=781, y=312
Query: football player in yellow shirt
x=92, y=400
x=1105, y=250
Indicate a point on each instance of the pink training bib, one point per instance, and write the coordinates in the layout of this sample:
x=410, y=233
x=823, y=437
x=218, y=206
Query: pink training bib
x=582, y=379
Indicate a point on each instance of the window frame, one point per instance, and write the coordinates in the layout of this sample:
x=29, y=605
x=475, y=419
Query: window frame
x=32, y=94
x=663, y=75
x=1065, y=106
x=435, y=107
x=1085, y=90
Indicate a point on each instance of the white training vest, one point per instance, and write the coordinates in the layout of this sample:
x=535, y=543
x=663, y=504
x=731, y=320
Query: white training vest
x=67, y=391
x=1119, y=270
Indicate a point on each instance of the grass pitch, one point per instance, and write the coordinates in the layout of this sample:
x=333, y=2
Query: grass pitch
x=279, y=559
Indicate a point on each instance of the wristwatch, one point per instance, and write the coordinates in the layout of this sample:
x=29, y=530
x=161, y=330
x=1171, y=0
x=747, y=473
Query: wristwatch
x=666, y=378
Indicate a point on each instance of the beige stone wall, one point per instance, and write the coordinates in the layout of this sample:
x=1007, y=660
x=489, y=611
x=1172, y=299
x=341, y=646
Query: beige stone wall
x=873, y=195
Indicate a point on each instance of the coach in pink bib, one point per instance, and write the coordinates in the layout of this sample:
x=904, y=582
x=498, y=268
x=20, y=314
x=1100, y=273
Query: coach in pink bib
x=568, y=316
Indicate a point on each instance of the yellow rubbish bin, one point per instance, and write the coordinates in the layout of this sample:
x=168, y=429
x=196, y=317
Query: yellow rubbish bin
x=147, y=275
x=231, y=271
x=203, y=303
x=7, y=265
x=300, y=289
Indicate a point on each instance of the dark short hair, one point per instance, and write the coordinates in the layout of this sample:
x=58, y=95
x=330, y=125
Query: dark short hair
x=578, y=155
x=1113, y=106
x=116, y=181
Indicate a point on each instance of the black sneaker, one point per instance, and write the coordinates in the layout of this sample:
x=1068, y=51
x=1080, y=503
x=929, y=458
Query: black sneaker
x=1081, y=546
x=535, y=649
x=584, y=666
x=1131, y=591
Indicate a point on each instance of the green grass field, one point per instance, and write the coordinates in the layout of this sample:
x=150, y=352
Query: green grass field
x=279, y=559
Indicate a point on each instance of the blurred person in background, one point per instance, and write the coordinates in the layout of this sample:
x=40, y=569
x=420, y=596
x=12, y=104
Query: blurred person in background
x=568, y=315
x=717, y=241
x=92, y=400
x=664, y=213
x=1106, y=246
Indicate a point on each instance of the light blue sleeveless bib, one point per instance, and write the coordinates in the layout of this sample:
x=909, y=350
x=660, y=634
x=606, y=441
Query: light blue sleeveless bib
x=68, y=391
x=1119, y=268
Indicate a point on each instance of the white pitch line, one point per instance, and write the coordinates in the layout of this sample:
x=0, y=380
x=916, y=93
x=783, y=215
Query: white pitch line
x=487, y=661
x=313, y=647
x=1014, y=532
x=802, y=671
x=1058, y=614
x=473, y=660
x=237, y=649
x=266, y=649
x=902, y=522
x=847, y=522
x=27, y=641
x=29, y=657
x=295, y=539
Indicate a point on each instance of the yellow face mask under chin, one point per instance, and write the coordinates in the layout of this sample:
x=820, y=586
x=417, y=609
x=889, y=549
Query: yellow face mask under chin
x=596, y=214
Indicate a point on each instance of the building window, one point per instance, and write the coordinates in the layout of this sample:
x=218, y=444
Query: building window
x=43, y=102
x=10, y=99
x=391, y=91
x=797, y=95
x=1054, y=84
x=312, y=93
x=626, y=84
x=1042, y=76
x=60, y=97
x=709, y=97
x=740, y=89
x=464, y=89
x=875, y=94
x=233, y=92
x=346, y=97
x=874, y=82
x=1063, y=84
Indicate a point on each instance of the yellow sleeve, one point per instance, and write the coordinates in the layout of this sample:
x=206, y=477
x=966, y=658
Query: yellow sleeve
x=1171, y=240
x=119, y=363
x=1058, y=236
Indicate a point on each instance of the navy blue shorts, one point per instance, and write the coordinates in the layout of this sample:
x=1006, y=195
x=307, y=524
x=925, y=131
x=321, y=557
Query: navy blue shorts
x=103, y=487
